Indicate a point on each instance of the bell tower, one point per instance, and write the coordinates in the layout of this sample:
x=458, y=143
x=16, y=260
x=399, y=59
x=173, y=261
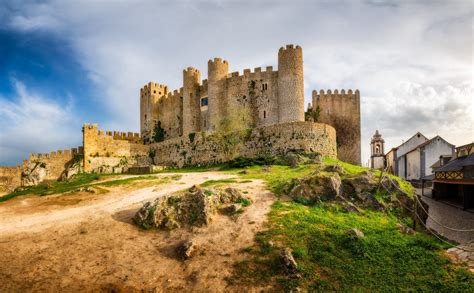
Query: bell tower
x=377, y=157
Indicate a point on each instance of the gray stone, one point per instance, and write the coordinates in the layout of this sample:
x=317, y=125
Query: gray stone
x=186, y=249
x=33, y=174
x=334, y=168
x=288, y=261
x=355, y=233
x=405, y=229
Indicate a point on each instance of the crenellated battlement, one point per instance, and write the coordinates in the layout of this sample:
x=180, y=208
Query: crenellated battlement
x=330, y=93
x=217, y=60
x=289, y=47
x=118, y=135
x=57, y=154
x=153, y=88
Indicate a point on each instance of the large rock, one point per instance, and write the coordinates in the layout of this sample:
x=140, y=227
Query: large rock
x=33, y=174
x=316, y=187
x=369, y=200
x=195, y=207
x=288, y=261
x=72, y=170
x=364, y=182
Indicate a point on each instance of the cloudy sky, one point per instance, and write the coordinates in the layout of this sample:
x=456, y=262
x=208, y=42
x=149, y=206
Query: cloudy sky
x=63, y=63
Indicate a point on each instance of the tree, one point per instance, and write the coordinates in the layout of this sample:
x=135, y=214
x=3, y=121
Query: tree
x=158, y=132
x=231, y=131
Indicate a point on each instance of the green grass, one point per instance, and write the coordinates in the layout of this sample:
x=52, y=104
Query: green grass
x=81, y=180
x=54, y=187
x=217, y=182
x=384, y=261
x=276, y=176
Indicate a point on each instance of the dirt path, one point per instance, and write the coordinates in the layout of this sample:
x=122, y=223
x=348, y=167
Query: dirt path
x=87, y=243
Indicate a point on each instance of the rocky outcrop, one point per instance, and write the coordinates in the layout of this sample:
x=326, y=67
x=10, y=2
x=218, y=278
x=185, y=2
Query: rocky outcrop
x=288, y=261
x=315, y=188
x=33, y=174
x=355, y=233
x=186, y=249
x=195, y=207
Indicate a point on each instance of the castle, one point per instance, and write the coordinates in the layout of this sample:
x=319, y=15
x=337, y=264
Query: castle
x=271, y=96
x=177, y=127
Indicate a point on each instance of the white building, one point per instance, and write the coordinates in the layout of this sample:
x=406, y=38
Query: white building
x=412, y=160
x=377, y=158
x=420, y=159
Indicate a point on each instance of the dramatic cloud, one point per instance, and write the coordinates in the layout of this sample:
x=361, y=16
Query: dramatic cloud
x=411, y=60
x=32, y=123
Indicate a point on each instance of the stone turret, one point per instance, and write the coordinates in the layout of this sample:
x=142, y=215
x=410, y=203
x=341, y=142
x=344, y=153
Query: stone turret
x=191, y=99
x=150, y=94
x=290, y=84
x=217, y=75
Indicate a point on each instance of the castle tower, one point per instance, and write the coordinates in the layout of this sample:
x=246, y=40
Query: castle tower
x=290, y=84
x=377, y=158
x=191, y=105
x=150, y=94
x=217, y=104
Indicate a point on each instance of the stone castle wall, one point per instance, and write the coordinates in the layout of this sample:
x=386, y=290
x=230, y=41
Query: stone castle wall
x=105, y=152
x=203, y=148
x=268, y=96
x=341, y=109
x=10, y=178
x=55, y=162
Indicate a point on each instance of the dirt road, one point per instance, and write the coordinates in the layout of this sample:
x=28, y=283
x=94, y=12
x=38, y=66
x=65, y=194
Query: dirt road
x=87, y=242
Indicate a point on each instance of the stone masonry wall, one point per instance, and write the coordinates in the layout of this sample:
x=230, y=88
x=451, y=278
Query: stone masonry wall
x=341, y=110
x=203, y=149
x=10, y=178
x=108, y=153
x=54, y=162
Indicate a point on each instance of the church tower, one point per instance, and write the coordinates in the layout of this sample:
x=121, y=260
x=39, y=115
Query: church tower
x=377, y=157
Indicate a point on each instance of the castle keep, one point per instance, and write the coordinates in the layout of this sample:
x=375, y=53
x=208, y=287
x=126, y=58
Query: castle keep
x=270, y=96
x=181, y=127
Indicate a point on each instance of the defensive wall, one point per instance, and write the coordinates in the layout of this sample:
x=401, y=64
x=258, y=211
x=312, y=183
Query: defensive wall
x=205, y=149
x=10, y=178
x=112, y=152
x=341, y=110
x=268, y=95
x=55, y=162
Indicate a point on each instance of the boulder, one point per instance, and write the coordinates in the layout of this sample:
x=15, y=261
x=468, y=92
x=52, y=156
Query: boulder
x=33, y=174
x=362, y=182
x=316, y=187
x=405, y=229
x=186, y=249
x=355, y=233
x=72, y=170
x=195, y=207
x=334, y=168
x=288, y=261
x=369, y=200
x=232, y=208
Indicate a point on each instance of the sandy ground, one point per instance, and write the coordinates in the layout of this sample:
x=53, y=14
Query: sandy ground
x=87, y=242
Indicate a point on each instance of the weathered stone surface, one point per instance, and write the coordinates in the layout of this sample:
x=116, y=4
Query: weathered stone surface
x=72, y=170
x=405, y=229
x=186, y=249
x=334, y=168
x=288, y=261
x=351, y=208
x=361, y=183
x=316, y=187
x=232, y=208
x=355, y=233
x=33, y=174
x=369, y=200
x=195, y=207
